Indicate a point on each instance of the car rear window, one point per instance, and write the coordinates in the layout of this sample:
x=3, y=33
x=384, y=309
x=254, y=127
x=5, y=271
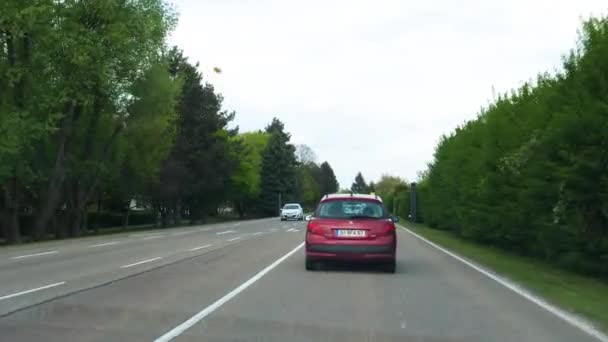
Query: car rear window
x=351, y=209
x=291, y=206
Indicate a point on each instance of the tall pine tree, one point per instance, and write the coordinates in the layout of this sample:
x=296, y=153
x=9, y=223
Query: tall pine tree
x=278, y=169
x=359, y=186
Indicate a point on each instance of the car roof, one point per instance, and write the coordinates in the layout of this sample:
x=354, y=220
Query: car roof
x=352, y=196
x=298, y=204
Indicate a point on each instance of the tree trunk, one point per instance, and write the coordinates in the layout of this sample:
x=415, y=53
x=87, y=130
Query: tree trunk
x=125, y=223
x=13, y=233
x=50, y=199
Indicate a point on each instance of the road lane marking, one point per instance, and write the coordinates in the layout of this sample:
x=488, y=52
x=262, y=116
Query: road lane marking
x=272, y=229
x=573, y=320
x=257, y=233
x=236, y=224
x=152, y=237
x=144, y=234
x=178, y=330
x=199, y=247
x=34, y=255
x=225, y=232
x=234, y=239
x=140, y=262
x=32, y=290
x=182, y=233
x=105, y=244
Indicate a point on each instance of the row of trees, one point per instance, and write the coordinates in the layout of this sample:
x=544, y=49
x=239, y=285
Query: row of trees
x=96, y=112
x=530, y=174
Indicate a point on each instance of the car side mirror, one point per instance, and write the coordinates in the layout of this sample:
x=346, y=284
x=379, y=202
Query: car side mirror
x=395, y=218
x=308, y=218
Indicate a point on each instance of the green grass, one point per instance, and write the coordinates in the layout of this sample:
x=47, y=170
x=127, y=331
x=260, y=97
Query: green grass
x=581, y=295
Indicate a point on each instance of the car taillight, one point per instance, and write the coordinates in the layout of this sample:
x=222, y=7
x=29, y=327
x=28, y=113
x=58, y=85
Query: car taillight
x=314, y=228
x=388, y=229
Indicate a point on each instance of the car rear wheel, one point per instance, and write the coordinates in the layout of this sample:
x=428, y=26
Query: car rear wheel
x=389, y=267
x=311, y=265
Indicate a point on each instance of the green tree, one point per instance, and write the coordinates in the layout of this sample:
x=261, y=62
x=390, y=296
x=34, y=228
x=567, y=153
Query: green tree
x=529, y=174
x=328, y=184
x=359, y=186
x=278, y=176
x=246, y=180
x=197, y=175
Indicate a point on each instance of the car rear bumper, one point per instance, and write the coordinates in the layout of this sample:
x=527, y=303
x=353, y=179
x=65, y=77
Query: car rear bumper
x=345, y=251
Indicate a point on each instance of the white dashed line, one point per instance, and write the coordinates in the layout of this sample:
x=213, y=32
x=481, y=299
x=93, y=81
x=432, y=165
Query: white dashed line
x=234, y=239
x=105, y=244
x=182, y=233
x=140, y=262
x=146, y=234
x=199, y=247
x=32, y=290
x=225, y=232
x=178, y=330
x=290, y=230
x=258, y=233
x=152, y=237
x=34, y=255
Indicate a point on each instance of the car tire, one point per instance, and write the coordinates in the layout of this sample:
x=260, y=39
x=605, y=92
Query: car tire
x=310, y=265
x=390, y=266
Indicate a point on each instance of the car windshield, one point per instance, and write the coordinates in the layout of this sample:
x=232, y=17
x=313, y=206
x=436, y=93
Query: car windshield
x=351, y=209
x=291, y=206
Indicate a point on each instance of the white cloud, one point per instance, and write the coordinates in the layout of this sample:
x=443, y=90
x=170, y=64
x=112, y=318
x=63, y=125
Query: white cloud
x=371, y=85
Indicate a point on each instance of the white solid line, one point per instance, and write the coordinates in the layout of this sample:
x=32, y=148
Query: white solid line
x=225, y=232
x=105, y=244
x=258, y=233
x=33, y=255
x=569, y=318
x=140, y=262
x=178, y=330
x=234, y=239
x=199, y=247
x=32, y=290
x=152, y=237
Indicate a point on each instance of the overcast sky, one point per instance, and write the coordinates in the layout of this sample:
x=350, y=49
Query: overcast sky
x=370, y=86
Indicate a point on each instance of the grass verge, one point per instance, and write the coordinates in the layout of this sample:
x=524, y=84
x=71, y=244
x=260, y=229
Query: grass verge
x=581, y=295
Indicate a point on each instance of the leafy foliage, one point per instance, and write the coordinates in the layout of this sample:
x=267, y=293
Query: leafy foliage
x=530, y=173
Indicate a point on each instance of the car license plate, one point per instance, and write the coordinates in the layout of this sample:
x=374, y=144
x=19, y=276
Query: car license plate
x=350, y=233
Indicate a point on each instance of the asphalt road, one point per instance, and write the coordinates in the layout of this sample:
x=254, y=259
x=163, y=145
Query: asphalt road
x=246, y=282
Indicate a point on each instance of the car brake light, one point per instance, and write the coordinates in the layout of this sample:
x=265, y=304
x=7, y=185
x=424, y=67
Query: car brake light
x=314, y=228
x=388, y=229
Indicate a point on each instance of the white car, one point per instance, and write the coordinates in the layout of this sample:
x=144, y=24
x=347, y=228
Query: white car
x=292, y=211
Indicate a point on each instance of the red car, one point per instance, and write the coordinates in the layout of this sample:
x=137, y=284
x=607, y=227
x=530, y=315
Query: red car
x=351, y=227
